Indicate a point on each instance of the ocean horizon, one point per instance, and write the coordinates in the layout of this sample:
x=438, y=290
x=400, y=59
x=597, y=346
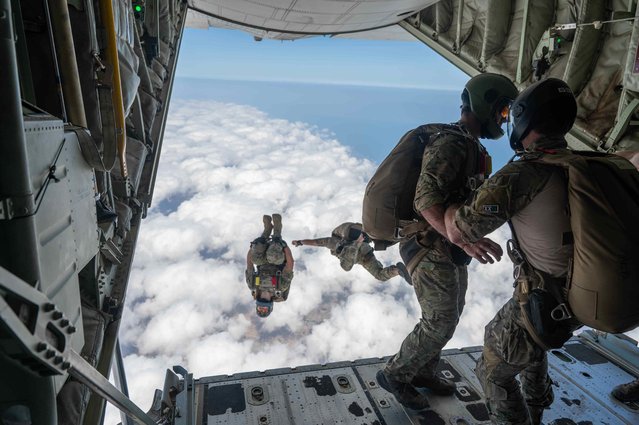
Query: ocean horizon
x=368, y=119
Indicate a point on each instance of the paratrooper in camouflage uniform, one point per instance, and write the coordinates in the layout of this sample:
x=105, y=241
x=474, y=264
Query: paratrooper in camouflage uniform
x=533, y=196
x=355, y=249
x=269, y=267
x=452, y=166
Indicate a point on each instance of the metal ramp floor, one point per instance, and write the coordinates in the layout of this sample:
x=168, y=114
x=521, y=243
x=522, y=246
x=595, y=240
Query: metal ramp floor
x=583, y=371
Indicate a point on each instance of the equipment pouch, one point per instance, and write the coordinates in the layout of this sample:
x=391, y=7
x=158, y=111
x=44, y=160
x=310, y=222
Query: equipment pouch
x=537, y=315
x=459, y=256
x=411, y=252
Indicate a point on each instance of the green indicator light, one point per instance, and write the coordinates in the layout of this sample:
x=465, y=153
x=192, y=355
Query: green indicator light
x=558, y=39
x=138, y=8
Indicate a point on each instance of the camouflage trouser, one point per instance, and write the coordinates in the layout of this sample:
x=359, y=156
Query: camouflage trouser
x=440, y=286
x=509, y=350
x=375, y=267
x=353, y=253
x=261, y=249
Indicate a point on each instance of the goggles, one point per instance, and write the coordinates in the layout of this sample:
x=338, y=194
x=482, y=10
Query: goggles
x=506, y=115
x=263, y=310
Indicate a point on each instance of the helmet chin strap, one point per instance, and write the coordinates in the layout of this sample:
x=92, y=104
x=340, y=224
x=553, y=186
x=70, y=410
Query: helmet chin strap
x=486, y=133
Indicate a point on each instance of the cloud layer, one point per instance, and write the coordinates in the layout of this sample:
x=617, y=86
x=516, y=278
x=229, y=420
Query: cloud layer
x=223, y=166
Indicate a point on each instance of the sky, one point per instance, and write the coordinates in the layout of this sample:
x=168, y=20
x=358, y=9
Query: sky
x=236, y=150
x=233, y=55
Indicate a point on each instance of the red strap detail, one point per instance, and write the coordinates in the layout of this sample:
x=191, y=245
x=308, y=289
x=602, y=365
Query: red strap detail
x=550, y=151
x=274, y=281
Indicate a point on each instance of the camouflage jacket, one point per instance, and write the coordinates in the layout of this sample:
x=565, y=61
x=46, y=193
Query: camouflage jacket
x=506, y=196
x=445, y=172
x=348, y=252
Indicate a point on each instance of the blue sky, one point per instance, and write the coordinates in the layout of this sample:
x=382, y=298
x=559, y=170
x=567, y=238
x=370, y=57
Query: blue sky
x=229, y=54
x=370, y=121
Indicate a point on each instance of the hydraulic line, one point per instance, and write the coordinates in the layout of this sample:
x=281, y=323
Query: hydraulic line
x=108, y=20
x=65, y=49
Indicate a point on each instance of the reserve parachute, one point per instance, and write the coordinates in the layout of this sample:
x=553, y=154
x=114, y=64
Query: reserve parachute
x=603, y=197
x=387, y=211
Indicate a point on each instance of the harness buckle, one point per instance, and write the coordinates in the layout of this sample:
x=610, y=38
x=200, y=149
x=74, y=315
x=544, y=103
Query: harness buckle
x=516, y=273
x=561, y=312
x=513, y=253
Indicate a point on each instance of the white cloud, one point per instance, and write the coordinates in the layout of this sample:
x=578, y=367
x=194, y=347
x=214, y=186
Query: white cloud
x=223, y=166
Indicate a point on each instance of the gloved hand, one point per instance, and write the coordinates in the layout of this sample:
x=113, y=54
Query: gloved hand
x=297, y=243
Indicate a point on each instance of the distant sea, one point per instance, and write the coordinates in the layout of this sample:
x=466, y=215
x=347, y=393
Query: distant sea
x=368, y=119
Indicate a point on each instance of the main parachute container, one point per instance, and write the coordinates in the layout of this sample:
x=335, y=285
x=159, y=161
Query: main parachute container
x=603, y=195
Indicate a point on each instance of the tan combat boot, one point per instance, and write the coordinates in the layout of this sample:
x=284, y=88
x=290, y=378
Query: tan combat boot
x=268, y=226
x=277, y=226
x=627, y=393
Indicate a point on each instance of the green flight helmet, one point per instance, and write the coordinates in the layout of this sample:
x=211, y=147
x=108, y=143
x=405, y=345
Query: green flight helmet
x=486, y=94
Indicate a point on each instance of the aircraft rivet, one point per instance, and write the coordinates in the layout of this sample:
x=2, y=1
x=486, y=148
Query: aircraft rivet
x=71, y=329
x=49, y=354
x=64, y=322
x=48, y=307
x=56, y=315
x=57, y=359
x=41, y=346
x=65, y=365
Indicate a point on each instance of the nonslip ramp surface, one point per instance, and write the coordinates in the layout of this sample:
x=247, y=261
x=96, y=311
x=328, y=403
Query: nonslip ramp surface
x=583, y=374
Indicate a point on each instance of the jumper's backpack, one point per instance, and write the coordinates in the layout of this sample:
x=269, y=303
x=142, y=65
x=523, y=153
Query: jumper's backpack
x=387, y=211
x=603, y=197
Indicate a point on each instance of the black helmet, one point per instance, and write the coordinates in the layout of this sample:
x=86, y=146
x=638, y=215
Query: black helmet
x=548, y=106
x=486, y=94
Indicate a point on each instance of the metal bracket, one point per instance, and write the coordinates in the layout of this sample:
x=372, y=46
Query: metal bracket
x=111, y=251
x=621, y=125
x=16, y=207
x=41, y=332
x=185, y=400
x=40, y=328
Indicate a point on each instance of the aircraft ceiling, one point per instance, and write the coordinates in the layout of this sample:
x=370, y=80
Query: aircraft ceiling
x=292, y=19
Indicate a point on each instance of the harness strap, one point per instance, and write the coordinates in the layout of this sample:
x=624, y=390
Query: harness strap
x=409, y=228
x=527, y=278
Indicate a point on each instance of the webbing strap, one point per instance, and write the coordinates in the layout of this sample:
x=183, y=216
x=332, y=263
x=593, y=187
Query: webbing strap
x=89, y=148
x=107, y=116
x=411, y=227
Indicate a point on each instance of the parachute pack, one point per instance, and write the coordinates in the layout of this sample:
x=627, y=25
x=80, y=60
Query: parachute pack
x=347, y=231
x=603, y=198
x=387, y=210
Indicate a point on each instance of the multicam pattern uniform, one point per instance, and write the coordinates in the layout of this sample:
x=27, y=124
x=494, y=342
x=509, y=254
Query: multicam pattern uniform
x=351, y=253
x=509, y=350
x=259, y=249
x=440, y=284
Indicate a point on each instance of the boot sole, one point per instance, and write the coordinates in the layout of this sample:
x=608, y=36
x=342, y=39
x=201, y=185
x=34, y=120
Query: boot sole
x=381, y=379
x=442, y=392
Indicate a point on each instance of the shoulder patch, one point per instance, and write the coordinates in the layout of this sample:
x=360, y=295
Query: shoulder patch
x=491, y=209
